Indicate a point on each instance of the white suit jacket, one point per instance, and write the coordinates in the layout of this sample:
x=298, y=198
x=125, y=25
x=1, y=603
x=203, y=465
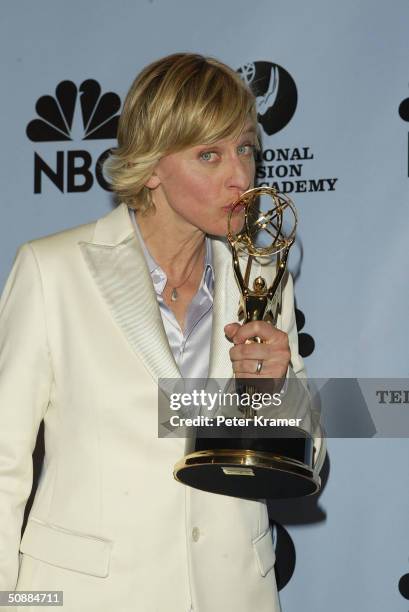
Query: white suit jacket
x=82, y=345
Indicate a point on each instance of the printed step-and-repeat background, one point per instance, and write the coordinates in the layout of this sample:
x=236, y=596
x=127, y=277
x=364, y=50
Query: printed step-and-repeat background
x=332, y=86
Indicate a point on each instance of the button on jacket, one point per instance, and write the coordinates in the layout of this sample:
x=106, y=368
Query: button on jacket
x=82, y=346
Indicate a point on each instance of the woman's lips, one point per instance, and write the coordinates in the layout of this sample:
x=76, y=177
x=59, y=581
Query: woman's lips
x=236, y=209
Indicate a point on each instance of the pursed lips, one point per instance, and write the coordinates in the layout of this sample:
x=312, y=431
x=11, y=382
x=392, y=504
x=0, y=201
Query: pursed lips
x=237, y=207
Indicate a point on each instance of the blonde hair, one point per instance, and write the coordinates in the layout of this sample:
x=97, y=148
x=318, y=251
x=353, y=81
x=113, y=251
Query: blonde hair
x=179, y=101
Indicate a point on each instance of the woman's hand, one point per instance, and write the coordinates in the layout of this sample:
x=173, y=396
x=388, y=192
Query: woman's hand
x=269, y=359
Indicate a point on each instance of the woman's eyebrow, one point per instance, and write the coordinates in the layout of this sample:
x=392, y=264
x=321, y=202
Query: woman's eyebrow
x=251, y=131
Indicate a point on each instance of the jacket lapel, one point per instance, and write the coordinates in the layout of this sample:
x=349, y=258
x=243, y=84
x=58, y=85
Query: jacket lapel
x=117, y=265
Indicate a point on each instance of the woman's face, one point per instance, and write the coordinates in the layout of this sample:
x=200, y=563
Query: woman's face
x=194, y=188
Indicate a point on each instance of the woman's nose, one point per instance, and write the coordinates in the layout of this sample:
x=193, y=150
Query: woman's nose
x=240, y=175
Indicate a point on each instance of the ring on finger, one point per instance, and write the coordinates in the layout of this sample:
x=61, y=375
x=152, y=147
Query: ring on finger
x=259, y=366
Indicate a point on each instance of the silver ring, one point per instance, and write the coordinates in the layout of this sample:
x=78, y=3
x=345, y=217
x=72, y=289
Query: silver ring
x=259, y=366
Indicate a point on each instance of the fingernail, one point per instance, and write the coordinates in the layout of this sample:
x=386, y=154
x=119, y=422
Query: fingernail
x=226, y=327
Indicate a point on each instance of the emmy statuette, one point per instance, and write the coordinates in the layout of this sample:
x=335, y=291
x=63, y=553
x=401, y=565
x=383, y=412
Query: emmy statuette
x=243, y=463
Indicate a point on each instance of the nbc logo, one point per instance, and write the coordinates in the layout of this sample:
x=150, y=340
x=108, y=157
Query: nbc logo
x=75, y=113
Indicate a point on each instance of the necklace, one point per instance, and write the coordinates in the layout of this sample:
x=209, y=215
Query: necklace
x=174, y=294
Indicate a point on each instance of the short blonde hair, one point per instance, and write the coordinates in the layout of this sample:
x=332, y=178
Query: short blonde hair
x=179, y=101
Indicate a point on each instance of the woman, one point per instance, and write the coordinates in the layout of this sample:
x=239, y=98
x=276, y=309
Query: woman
x=90, y=318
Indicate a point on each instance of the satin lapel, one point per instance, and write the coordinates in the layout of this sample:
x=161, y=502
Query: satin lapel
x=225, y=306
x=122, y=277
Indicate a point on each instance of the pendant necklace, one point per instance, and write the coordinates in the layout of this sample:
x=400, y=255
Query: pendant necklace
x=174, y=293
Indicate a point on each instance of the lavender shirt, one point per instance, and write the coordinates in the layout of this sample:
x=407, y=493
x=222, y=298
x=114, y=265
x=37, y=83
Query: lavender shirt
x=191, y=348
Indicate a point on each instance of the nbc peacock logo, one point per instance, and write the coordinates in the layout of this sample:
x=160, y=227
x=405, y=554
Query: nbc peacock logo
x=73, y=114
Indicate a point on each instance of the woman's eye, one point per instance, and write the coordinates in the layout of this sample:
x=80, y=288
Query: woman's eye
x=208, y=156
x=245, y=149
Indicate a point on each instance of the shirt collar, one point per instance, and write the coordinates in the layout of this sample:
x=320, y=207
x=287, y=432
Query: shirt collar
x=159, y=277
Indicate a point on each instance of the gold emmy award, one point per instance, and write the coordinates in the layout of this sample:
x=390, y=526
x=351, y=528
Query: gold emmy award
x=250, y=465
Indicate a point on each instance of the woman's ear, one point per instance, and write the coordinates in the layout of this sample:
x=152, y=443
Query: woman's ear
x=153, y=181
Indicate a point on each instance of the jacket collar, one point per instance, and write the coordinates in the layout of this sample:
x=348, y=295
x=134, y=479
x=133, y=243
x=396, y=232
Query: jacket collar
x=114, y=227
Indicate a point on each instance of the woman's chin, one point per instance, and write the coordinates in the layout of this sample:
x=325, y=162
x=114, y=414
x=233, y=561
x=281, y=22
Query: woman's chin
x=220, y=225
x=221, y=230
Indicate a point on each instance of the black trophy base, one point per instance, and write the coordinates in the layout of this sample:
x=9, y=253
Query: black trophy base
x=266, y=468
x=248, y=475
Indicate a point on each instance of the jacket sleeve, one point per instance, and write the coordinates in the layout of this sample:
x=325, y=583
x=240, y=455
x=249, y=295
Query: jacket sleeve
x=297, y=368
x=25, y=382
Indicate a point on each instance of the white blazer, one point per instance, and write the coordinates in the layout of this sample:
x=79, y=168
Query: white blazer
x=82, y=345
